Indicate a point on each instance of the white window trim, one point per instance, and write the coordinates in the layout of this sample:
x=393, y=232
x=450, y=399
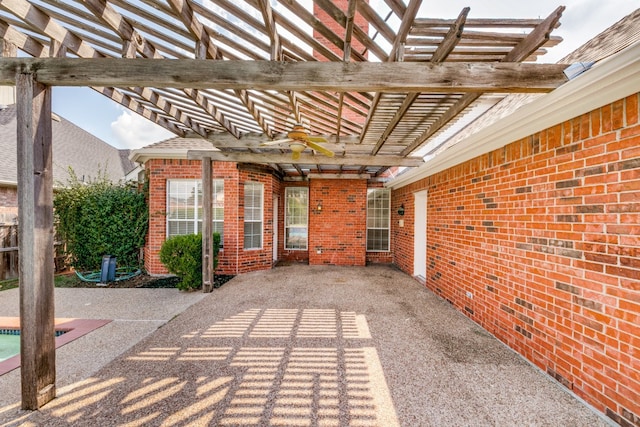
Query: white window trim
x=388, y=227
x=261, y=216
x=168, y=194
x=195, y=220
x=306, y=247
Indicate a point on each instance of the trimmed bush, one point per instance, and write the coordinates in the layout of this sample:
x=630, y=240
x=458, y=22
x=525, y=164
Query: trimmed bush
x=182, y=255
x=101, y=218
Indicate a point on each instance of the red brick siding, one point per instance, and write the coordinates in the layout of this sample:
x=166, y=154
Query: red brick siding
x=161, y=170
x=8, y=204
x=379, y=257
x=402, y=236
x=255, y=259
x=9, y=197
x=338, y=231
x=544, y=234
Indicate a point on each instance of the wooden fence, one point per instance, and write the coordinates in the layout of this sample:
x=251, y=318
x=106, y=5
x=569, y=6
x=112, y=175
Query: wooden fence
x=9, y=252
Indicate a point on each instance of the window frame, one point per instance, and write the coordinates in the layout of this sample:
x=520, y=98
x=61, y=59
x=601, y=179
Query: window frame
x=217, y=188
x=387, y=227
x=288, y=226
x=253, y=221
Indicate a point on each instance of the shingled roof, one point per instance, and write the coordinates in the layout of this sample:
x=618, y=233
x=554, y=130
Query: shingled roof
x=73, y=148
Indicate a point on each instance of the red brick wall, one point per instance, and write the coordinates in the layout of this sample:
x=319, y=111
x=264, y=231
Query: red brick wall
x=8, y=197
x=161, y=170
x=544, y=235
x=402, y=236
x=8, y=204
x=338, y=231
x=255, y=259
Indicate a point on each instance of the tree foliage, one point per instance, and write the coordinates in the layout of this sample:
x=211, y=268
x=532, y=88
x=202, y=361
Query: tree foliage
x=182, y=255
x=101, y=218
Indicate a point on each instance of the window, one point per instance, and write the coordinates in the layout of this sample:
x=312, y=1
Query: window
x=252, y=215
x=296, y=219
x=378, y=219
x=184, y=207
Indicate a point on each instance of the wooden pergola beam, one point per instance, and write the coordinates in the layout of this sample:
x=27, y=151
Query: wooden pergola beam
x=64, y=39
x=135, y=42
x=394, y=77
x=305, y=159
x=444, y=49
x=407, y=21
x=201, y=34
x=393, y=56
x=522, y=50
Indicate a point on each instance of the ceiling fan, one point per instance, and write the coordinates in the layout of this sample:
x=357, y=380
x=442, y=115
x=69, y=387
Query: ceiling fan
x=299, y=140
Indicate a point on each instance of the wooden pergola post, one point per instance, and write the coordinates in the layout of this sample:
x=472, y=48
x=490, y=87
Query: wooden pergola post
x=35, y=216
x=7, y=50
x=207, y=225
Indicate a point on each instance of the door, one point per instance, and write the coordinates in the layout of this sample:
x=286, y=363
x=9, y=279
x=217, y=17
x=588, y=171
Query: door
x=276, y=199
x=420, y=236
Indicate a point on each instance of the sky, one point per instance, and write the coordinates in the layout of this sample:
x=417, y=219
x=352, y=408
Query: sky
x=581, y=21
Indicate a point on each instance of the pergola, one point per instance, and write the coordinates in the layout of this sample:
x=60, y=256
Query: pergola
x=378, y=82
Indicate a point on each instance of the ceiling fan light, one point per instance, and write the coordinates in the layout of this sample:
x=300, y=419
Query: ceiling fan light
x=298, y=147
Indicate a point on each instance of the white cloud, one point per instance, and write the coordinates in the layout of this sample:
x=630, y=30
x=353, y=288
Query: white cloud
x=134, y=131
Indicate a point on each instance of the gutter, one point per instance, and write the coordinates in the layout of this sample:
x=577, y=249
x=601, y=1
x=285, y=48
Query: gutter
x=12, y=184
x=609, y=80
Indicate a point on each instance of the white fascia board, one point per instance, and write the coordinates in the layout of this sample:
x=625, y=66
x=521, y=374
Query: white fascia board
x=607, y=81
x=13, y=184
x=143, y=154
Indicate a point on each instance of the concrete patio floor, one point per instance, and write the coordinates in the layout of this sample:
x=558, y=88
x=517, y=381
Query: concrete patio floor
x=310, y=346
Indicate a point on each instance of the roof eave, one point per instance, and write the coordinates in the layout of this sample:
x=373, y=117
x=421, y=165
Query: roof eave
x=607, y=81
x=142, y=155
x=13, y=184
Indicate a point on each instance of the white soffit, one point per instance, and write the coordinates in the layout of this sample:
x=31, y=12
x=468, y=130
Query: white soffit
x=607, y=81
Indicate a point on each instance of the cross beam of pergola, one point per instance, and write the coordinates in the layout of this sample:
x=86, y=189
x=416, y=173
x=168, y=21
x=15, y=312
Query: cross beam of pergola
x=376, y=93
x=34, y=78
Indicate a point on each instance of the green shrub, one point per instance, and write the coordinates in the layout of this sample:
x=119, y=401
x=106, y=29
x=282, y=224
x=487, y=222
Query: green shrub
x=101, y=218
x=182, y=255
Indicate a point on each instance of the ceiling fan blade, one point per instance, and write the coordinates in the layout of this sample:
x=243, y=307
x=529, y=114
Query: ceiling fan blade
x=320, y=149
x=276, y=142
x=317, y=139
x=295, y=155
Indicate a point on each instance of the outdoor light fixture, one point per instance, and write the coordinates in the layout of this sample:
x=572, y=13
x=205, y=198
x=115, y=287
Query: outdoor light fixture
x=319, y=208
x=297, y=146
x=401, y=210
